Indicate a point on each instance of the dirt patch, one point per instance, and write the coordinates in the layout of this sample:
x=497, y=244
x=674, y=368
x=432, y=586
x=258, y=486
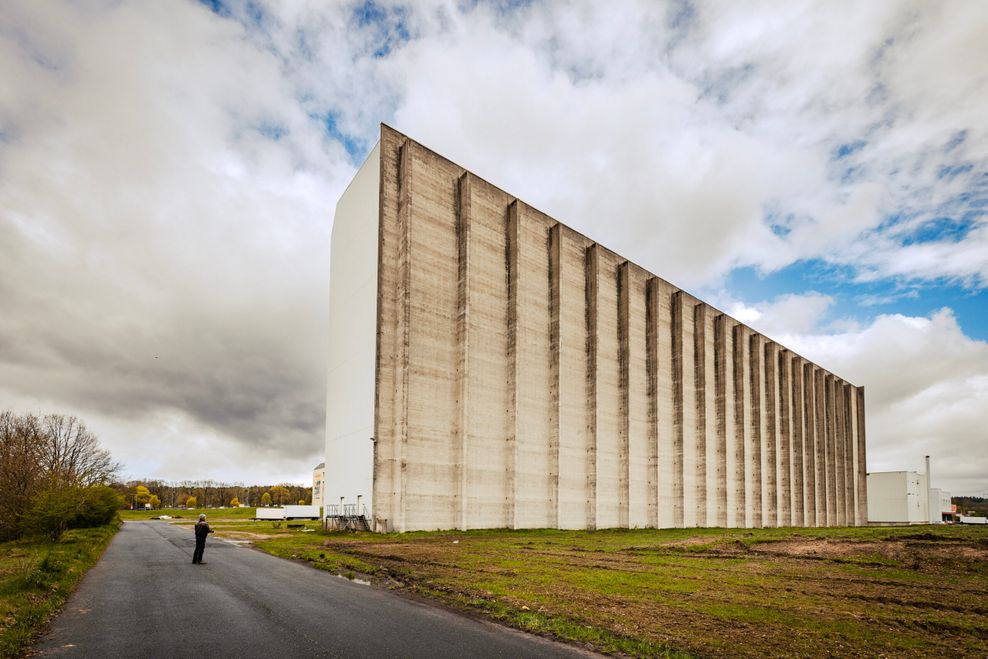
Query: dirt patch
x=828, y=548
x=902, y=548
x=930, y=537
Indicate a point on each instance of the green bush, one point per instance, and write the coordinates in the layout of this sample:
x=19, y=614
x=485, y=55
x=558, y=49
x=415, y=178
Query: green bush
x=99, y=506
x=54, y=510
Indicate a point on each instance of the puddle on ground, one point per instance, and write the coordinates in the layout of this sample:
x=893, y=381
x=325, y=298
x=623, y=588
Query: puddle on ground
x=362, y=582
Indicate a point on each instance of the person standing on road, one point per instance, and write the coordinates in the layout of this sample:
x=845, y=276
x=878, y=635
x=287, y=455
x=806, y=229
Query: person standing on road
x=202, y=530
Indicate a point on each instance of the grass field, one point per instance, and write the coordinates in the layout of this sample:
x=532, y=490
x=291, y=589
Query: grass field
x=917, y=591
x=192, y=514
x=36, y=578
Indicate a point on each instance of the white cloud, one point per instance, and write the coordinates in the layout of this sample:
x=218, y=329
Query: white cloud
x=785, y=315
x=926, y=389
x=167, y=180
x=926, y=382
x=693, y=131
x=162, y=257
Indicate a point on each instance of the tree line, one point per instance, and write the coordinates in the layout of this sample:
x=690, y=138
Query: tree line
x=209, y=494
x=53, y=476
x=967, y=505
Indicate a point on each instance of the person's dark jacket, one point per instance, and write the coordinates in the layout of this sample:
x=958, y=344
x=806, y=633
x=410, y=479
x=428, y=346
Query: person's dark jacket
x=202, y=529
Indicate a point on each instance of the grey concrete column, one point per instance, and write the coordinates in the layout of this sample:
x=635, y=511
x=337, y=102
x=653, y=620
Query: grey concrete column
x=757, y=434
x=403, y=338
x=555, y=286
x=512, y=241
x=463, y=222
x=573, y=417
x=624, y=406
x=740, y=425
x=721, y=410
x=849, y=457
x=386, y=362
x=785, y=434
x=820, y=448
x=700, y=400
x=652, y=369
x=770, y=450
x=830, y=466
x=862, y=468
x=839, y=453
x=591, y=277
x=677, y=407
x=662, y=313
x=809, y=443
x=798, y=449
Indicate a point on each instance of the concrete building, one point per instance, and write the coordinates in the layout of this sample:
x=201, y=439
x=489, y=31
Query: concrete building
x=318, y=484
x=490, y=367
x=906, y=497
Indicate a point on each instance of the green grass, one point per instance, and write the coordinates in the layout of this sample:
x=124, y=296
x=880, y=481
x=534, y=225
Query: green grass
x=713, y=592
x=191, y=514
x=36, y=578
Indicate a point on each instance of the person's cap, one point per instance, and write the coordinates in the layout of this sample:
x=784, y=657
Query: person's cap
x=202, y=515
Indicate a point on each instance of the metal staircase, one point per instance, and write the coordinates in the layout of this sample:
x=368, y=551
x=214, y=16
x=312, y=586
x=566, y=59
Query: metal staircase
x=349, y=517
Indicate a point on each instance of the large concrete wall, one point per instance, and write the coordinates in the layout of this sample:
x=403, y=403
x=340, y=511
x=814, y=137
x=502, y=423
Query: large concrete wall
x=528, y=377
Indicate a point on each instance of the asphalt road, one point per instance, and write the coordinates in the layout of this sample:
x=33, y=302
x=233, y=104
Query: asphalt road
x=145, y=598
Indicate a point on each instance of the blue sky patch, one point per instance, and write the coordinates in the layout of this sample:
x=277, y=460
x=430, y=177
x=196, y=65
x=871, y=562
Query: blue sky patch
x=863, y=301
x=353, y=145
x=218, y=7
x=272, y=131
x=958, y=138
x=250, y=13
x=780, y=224
x=942, y=229
x=682, y=15
x=844, y=150
x=389, y=24
x=951, y=171
x=499, y=6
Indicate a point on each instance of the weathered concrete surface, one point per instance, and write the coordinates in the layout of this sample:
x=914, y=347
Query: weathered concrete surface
x=528, y=377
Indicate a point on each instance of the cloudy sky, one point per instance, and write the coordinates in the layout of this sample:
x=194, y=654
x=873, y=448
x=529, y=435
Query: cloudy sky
x=168, y=172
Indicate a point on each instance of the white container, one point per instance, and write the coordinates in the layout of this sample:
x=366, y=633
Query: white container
x=270, y=513
x=301, y=512
x=973, y=520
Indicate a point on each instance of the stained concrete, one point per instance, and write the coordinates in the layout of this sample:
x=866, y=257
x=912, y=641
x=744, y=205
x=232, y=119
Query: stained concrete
x=527, y=376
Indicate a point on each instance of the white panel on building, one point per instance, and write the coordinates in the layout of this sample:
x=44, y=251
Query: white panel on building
x=352, y=339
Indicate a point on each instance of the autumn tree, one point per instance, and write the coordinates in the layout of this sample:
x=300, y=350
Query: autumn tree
x=234, y=502
x=280, y=494
x=190, y=502
x=53, y=474
x=142, y=495
x=155, y=501
x=71, y=454
x=21, y=475
x=266, y=499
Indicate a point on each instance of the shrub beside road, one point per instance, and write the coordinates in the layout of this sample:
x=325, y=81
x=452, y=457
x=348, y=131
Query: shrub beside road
x=36, y=578
x=899, y=591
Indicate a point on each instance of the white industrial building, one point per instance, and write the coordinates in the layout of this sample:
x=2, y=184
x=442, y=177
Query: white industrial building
x=319, y=485
x=905, y=497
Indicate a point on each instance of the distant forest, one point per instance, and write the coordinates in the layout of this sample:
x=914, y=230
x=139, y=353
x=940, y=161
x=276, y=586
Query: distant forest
x=210, y=494
x=971, y=504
